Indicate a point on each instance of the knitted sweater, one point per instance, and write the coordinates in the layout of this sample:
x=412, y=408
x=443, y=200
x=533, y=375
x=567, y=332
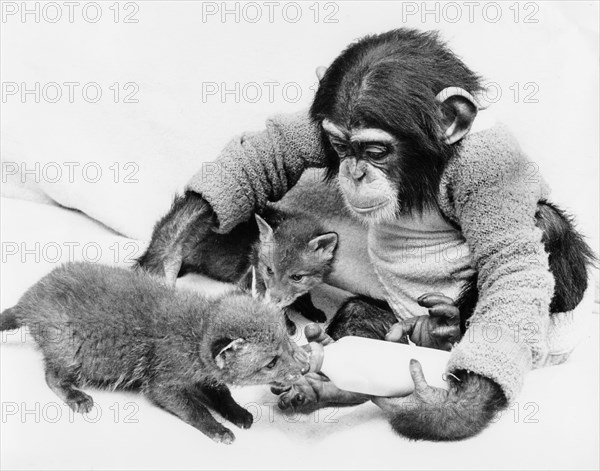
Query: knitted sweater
x=487, y=191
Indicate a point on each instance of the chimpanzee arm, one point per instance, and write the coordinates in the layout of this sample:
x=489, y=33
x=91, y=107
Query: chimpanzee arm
x=495, y=200
x=251, y=170
x=259, y=167
x=189, y=220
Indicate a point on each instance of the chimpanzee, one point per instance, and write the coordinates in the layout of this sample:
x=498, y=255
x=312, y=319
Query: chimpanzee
x=396, y=123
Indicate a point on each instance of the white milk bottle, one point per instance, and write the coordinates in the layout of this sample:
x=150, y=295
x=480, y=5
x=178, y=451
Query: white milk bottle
x=376, y=367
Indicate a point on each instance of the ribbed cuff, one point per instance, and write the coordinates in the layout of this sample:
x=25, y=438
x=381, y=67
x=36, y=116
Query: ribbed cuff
x=496, y=352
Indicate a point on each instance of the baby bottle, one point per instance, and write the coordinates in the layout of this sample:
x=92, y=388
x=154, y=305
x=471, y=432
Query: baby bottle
x=376, y=367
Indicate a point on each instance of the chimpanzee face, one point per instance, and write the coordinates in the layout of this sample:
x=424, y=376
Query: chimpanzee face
x=392, y=108
x=365, y=155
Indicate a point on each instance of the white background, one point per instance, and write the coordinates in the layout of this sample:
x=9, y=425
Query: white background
x=171, y=55
x=177, y=49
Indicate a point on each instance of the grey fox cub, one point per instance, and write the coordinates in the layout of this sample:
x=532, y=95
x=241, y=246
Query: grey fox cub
x=291, y=259
x=290, y=250
x=121, y=329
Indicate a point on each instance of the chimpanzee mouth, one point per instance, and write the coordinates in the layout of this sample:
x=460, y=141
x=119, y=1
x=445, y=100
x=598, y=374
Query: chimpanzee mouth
x=368, y=209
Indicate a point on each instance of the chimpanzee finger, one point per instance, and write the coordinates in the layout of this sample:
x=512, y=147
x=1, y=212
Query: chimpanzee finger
x=297, y=400
x=446, y=311
x=399, y=330
x=431, y=299
x=277, y=390
x=316, y=333
x=446, y=331
x=416, y=372
x=285, y=401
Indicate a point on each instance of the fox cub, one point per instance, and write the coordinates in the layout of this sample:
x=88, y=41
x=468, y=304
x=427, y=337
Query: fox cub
x=123, y=329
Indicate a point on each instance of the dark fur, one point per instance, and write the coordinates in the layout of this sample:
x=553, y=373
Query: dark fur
x=362, y=316
x=473, y=401
x=390, y=81
x=569, y=257
x=304, y=305
x=120, y=329
x=187, y=230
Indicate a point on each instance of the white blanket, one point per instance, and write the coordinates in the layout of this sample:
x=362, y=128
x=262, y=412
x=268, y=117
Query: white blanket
x=553, y=426
x=129, y=159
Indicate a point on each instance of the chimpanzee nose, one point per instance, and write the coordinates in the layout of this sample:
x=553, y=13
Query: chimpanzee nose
x=357, y=170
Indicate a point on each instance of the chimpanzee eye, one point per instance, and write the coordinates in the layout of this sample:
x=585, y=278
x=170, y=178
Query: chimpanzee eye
x=376, y=152
x=296, y=277
x=272, y=363
x=269, y=271
x=340, y=148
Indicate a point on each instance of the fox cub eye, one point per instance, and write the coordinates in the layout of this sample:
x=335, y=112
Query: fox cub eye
x=296, y=278
x=272, y=363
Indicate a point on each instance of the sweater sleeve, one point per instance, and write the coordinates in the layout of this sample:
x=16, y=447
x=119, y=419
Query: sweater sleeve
x=495, y=194
x=258, y=167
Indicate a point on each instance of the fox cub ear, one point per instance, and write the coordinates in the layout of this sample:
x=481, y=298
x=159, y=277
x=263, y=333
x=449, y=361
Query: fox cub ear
x=224, y=348
x=266, y=232
x=324, y=244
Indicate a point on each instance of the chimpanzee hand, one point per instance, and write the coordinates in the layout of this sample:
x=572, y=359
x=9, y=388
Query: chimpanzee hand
x=189, y=221
x=440, y=329
x=430, y=413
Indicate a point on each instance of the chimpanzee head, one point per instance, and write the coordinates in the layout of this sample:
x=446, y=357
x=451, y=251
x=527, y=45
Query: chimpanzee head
x=392, y=109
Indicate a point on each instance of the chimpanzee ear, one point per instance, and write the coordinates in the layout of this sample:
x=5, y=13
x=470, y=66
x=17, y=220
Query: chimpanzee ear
x=325, y=244
x=266, y=233
x=459, y=109
x=223, y=348
x=320, y=72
